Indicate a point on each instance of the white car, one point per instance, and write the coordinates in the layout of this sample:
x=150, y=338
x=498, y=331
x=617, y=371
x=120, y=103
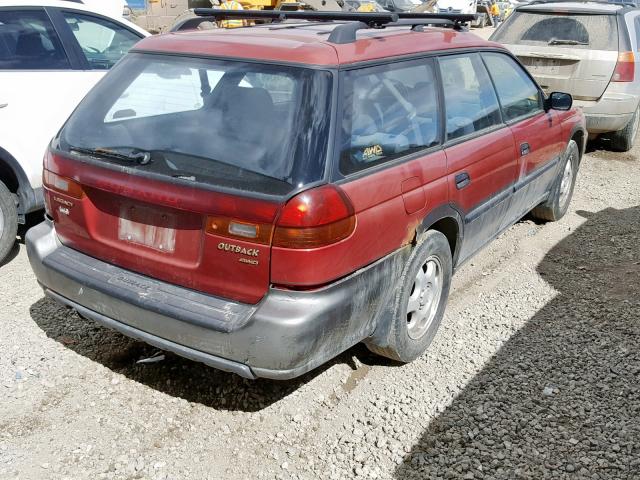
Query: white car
x=112, y=8
x=52, y=52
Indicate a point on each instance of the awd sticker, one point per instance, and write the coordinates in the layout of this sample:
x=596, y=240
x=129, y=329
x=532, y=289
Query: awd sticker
x=371, y=152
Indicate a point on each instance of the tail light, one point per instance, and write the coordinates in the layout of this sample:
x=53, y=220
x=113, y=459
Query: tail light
x=317, y=217
x=625, y=68
x=61, y=184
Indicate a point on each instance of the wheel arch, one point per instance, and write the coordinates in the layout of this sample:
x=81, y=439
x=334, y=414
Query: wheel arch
x=446, y=220
x=16, y=180
x=580, y=137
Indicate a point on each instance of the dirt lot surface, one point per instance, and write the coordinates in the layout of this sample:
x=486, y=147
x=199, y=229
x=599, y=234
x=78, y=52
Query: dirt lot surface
x=534, y=374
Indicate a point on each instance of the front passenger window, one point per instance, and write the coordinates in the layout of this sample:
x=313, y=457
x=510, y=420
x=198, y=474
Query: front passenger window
x=103, y=42
x=518, y=94
x=470, y=101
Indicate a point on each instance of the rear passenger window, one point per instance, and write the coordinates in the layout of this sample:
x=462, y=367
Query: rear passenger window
x=390, y=111
x=470, y=101
x=518, y=95
x=29, y=42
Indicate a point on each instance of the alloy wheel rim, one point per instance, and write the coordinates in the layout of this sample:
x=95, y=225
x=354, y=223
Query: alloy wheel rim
x=424, y=299
x=567, y=179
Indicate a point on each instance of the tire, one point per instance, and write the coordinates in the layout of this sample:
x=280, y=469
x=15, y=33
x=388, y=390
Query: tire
x=412, y=331
x=622, y=140
x=8, y=221
x=557, y=204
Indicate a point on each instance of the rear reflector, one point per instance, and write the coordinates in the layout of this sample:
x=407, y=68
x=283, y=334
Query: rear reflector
x=315, y=218
x=61, y=184
x=625, y=68
x=227, y=227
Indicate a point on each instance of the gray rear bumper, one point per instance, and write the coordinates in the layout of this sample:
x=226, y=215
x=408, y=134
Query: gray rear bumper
x=610, y=113
x=286, y=334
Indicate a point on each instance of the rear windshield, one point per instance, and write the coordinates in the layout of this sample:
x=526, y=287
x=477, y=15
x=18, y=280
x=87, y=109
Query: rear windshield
x=595, y=32
x=239, y=125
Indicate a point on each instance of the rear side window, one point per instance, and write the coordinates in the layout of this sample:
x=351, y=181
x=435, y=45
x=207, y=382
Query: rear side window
x=29, y=42
x=595, y=32
x=518, y=95
x=389, y=111
x=103, y=42
x=470, y=100
x=239, y=125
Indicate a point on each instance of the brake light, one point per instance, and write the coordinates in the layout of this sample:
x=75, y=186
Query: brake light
x=61, y=184
x=227, y=227
x=315, y=218
x=625, y=68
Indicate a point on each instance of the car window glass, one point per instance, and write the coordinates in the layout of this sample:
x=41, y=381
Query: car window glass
x=29, y=42
x=517, y=93
x=103, y=42
x=390, y=111
x=162, y=89
x=240, y=125
x=594, y=32
x=470, y=101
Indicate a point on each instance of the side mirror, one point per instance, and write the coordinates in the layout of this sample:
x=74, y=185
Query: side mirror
x=558, y=101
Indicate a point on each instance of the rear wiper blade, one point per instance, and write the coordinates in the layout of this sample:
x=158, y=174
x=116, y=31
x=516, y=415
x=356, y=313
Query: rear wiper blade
x=140, y=157
x=556, y=41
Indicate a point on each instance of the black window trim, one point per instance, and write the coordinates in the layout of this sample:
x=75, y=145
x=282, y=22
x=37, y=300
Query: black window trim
x=68, y=52
x=57, y=15
x=336, y=175
x=541, y=95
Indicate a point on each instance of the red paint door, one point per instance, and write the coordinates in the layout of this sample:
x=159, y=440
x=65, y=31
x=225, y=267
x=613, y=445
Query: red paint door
x=537, y=134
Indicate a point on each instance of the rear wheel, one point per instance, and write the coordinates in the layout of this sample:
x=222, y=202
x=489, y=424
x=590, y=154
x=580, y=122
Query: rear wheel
x=8, y=221
x=421, y=299
x=622, y=140
x=562, y=191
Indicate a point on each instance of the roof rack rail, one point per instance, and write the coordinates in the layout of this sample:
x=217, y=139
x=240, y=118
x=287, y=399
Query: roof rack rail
x=344, y=32
x=621, y=3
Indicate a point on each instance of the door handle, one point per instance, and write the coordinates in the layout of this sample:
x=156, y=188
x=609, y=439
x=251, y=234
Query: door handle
x=2, y=105
x=524, y=149
x=462, y=180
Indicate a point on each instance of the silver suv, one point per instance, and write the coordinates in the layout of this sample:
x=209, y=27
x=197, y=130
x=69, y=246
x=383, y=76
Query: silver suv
x=585, y=49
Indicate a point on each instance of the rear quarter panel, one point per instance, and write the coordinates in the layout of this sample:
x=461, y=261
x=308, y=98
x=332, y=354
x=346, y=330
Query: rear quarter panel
x=383, y=223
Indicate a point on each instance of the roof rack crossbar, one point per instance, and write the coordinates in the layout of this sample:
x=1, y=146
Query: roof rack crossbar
x=373, y=18
x=343, y=32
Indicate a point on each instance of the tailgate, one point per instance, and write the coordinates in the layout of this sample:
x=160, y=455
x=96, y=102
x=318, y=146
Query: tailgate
x=164, y=230
x=583, y=73
x=569, y=49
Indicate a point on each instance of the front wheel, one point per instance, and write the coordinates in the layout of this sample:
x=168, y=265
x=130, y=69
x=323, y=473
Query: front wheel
x=8, y=221
x=555, y=207
x=421, y=299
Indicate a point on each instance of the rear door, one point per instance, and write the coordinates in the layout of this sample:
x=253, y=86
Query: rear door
x=566, y=52
x=481, y=161
x=36, y=85
x=49, y=60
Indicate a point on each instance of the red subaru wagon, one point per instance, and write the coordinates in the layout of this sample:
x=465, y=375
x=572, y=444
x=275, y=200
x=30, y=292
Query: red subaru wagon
x=260, y=199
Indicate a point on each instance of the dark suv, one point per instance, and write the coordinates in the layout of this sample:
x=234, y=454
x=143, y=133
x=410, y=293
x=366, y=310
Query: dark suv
x=261, y=199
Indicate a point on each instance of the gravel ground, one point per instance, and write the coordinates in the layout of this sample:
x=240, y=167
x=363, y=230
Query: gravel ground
x=534, y=374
